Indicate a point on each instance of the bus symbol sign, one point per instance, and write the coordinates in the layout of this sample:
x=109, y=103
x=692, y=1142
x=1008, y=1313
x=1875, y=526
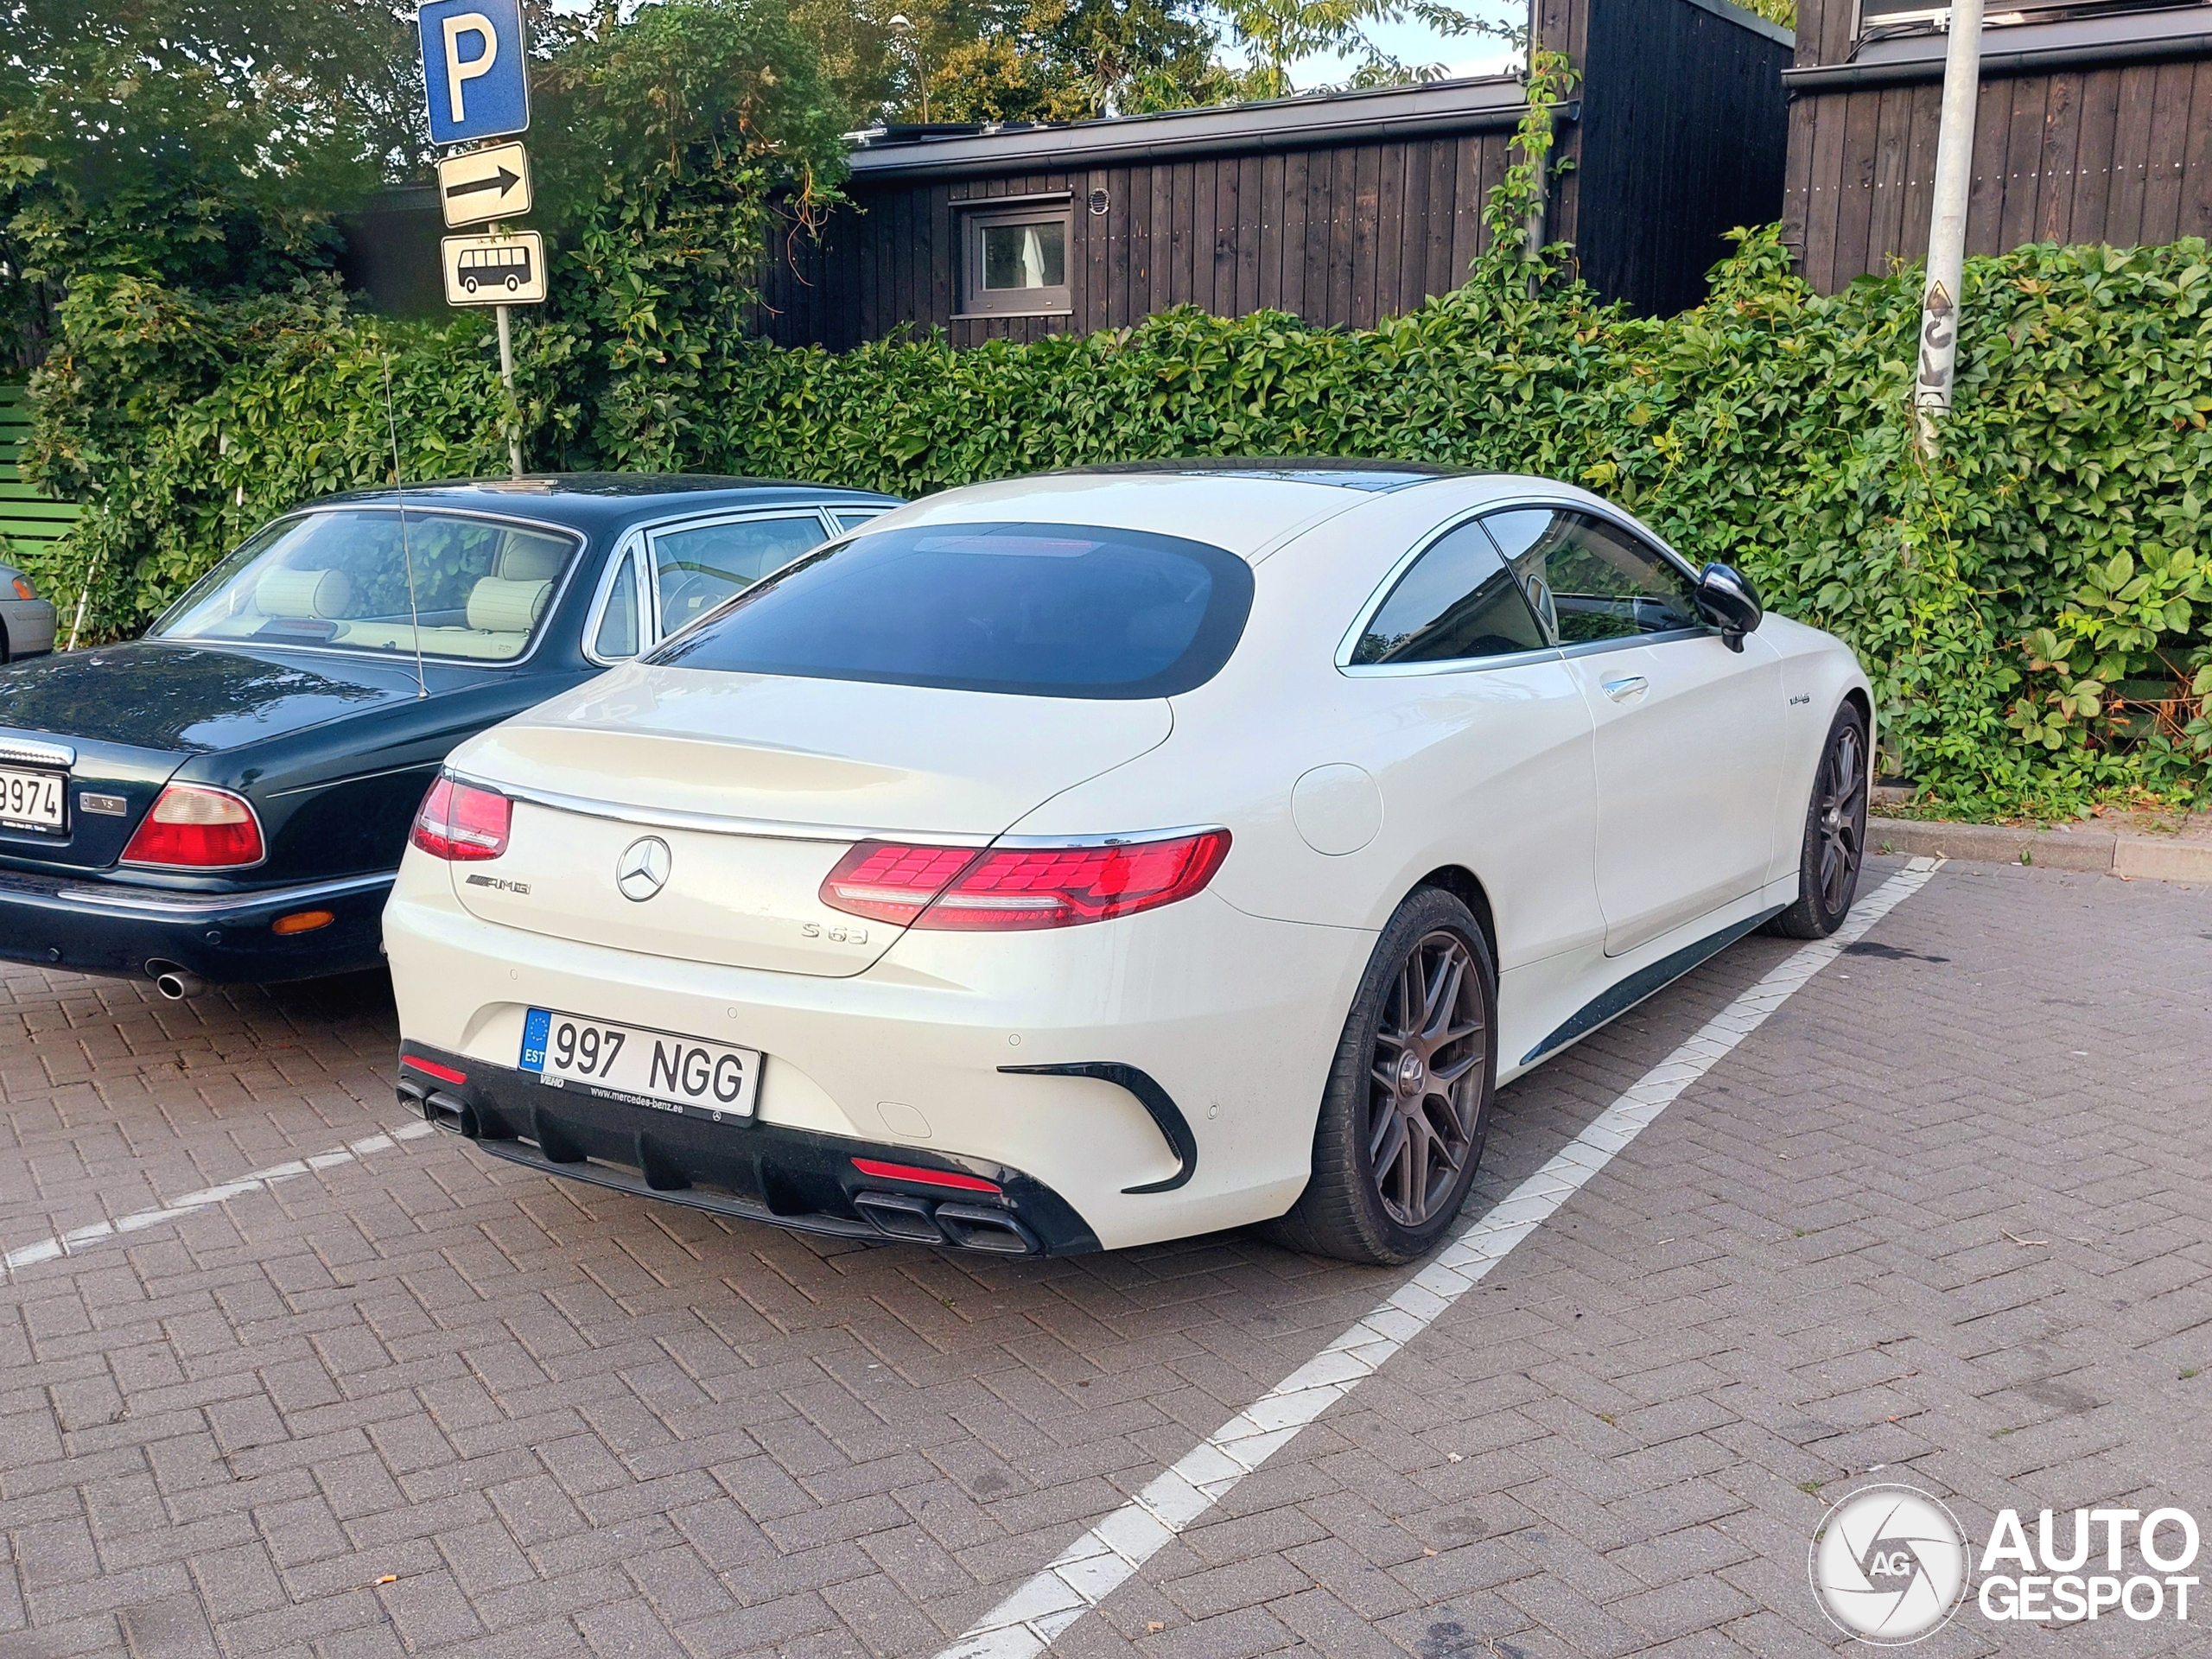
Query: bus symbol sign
x=495, y=269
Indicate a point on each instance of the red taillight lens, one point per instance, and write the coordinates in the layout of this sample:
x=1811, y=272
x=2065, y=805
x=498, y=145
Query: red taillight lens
x=1007, y=889
x=462, y=822
x=892, y=882
x=194, y=828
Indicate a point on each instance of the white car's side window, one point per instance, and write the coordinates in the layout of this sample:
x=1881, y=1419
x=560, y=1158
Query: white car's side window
x=1456, y=603
x=1595, y=581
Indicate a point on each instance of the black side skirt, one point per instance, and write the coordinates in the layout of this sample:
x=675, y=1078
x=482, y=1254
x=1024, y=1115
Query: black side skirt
x=1617, y=1000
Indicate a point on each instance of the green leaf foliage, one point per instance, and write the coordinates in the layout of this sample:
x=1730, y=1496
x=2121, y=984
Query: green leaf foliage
x=2033, y=606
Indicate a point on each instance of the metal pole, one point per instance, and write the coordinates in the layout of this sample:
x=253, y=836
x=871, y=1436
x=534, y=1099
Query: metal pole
x=507, y=379
x=1947, y=225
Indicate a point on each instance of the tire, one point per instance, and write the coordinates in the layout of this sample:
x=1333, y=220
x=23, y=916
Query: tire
x=1393, y=1159
x=1835, y=835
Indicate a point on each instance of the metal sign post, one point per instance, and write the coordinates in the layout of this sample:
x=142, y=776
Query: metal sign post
x=1947, y=225
x=475, y=79
x=507, y=379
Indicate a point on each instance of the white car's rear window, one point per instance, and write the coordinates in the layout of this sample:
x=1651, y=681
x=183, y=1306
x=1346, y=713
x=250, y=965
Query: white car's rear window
x=1037, y=610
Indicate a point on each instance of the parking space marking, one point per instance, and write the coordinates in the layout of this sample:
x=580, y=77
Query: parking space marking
x=1106, y=1557
x=259, y=1180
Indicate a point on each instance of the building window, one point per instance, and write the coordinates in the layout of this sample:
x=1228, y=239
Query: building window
x=1879, y=19
x=1015, y=261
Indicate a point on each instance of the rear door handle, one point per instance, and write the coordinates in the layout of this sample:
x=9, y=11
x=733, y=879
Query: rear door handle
x=1627, y=690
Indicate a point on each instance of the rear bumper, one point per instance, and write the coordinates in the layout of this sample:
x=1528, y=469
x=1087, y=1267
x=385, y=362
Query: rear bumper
x=742, y=1167
x=1160, y=1073
x=93, y=927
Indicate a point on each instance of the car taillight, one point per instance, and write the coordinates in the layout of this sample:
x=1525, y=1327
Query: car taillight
x=194, y=828
x=462, y=824
x=1006, y=889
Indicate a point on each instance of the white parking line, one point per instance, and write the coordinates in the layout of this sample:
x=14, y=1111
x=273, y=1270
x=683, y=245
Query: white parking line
x=258, y=1180
x=1104, y=1558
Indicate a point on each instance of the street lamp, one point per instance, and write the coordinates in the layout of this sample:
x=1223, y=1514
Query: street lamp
x=921, y=65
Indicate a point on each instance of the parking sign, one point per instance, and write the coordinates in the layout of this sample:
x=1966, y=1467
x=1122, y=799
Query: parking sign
x=474, y=69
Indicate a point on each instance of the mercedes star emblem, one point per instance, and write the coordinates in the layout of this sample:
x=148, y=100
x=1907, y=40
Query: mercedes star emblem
x=642, y=870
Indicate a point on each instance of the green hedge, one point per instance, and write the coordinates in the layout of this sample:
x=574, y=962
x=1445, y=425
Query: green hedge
x=2031, y=606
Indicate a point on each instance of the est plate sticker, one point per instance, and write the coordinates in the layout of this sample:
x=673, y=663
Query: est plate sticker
x=649, y=1068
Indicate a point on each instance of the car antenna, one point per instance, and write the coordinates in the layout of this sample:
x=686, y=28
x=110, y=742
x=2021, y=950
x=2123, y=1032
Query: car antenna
x=406, y=554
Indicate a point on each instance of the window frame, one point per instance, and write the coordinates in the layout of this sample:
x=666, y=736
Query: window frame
x=629, y=550
x=648, y=534
x=977, y=301
x=539, y=632
x=1380, y=594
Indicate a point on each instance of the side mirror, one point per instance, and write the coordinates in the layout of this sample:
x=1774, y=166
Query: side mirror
x=1726, y=599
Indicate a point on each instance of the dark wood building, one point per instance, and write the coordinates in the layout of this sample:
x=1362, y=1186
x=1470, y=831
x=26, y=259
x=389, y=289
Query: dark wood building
x=1344, y=208
x=2094, y=124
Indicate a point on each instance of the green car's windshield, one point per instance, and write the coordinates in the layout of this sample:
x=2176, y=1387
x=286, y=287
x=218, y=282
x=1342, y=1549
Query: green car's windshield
x=341, y=579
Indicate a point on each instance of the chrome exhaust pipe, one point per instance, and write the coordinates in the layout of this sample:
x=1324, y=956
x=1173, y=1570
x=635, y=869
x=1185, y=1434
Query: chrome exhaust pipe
x=175, y=982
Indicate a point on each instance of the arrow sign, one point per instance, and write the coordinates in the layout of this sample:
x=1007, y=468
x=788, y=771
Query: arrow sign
x=484, y=184
x=502, y=181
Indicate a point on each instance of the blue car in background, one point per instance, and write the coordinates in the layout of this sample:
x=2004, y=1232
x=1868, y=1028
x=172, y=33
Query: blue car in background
x=227, y=799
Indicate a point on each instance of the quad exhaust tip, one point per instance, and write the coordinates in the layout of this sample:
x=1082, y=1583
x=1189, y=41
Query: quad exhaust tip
x=175, y=982
x=964, y=1226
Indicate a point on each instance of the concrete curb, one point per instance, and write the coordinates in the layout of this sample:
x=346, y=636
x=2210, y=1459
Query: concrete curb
x=2100, y=852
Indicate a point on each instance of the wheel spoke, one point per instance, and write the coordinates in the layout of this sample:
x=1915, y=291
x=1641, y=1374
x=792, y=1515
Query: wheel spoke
x=1446, y=1075
x=1387, y=1139
x=1444, y=998
x=1418, y=1139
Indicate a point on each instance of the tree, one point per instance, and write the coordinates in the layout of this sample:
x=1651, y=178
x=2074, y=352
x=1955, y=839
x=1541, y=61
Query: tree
x=198, y=143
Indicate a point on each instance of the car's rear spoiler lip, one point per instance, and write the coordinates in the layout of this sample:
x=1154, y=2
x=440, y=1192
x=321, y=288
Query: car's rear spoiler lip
x=711, y=824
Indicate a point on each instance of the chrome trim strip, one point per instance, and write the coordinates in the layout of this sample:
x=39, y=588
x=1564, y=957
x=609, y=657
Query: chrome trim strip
x=710, y=823
x=1457, y=665
x=215, y=904
x=1110, y=838
x=37, y=755
x=1595, y=647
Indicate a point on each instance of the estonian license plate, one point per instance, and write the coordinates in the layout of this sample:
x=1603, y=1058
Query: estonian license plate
x=33, y=800
x=649, y=1068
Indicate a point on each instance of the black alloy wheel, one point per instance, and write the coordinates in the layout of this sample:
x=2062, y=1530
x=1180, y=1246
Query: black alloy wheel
x=1407, y=1108
x=1835, y=833
x=1424, y=1080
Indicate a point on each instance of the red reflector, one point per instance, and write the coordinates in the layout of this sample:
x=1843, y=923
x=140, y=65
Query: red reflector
x=191, y=827
x=883, y=1172
x=461, y=823
x=443, y=1073
x=1010, y=888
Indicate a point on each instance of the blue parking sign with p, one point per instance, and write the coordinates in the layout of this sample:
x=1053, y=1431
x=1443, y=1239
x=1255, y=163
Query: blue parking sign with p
x=474, y=68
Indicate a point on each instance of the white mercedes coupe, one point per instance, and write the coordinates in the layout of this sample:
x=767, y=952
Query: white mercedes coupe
x=1110, y=856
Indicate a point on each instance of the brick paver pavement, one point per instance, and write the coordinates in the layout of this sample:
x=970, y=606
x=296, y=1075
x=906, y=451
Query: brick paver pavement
x=1945, y=1216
